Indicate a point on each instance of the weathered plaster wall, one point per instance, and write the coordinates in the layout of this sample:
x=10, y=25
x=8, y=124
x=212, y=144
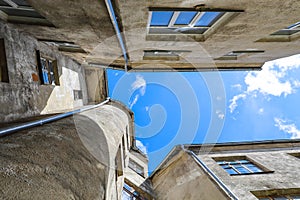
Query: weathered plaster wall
x=286, y=170
x=184, y=179
x=22, y=96
x=96, y=84
x=114, y=122
x=50, y=162
x=73, y=158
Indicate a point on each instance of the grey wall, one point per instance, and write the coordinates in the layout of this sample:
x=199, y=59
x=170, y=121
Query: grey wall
x=73, y=158
x=22, y=96
x=286, y=170
x=182, y=178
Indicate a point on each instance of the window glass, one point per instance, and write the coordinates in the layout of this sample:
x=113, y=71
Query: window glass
x=21, y=3
x=296, y=25
x=230, y=171
x=253, y=168
x=207, y=18
x=3, y=63
x=126, y=195
x=242, y=169
x=161, y=18
x=242, y=166
x=185, y=17
x=136, y=167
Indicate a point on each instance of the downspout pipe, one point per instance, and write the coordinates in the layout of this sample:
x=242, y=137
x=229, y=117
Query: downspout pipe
x=113, y=18
x=9, y=130
x=211, y=173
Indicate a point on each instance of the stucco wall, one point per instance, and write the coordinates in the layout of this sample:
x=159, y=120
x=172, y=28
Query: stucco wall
x=22, y=96
x=184, y=179
x=73, y=158
x=286, y=170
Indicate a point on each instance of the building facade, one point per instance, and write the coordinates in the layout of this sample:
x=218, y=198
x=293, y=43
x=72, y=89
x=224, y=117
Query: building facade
x=251, y=170
x=61, y=139
x=181, y=35
x=88, y=155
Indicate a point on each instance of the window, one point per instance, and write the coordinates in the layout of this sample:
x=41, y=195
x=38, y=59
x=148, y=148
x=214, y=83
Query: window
x=186, y=22
x=128, y=138
x=19, y=11
x=233, y=55
x=290, y=30
x=278, y=194
x=3, y=63
x=77, y=94
x=136, y=167
x=64, y=46
x=129, y=193
x=118, y=163
x=239, y=166
x=163, y=54
x=160, y=55
x=287, y=34
x=48, y=71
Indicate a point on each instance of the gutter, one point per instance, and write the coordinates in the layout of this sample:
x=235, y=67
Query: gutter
x=211, y=174
x=113, y=18
x=13, y=129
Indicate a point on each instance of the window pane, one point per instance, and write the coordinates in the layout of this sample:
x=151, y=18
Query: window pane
x=207, y=18
x=294, y=25
x=21, y=3
x=20, y=12
x=230, y=171
x=296, y=197
x=125, y=195
x=280, y=198
x=185, y=17
x=253, y=168
x=243, y=161
x=161, y=18
x=242, y=170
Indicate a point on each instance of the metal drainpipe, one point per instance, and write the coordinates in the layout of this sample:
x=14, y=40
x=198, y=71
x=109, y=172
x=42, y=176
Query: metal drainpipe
x=116, y=26
x=211, y=174
x=9, y=130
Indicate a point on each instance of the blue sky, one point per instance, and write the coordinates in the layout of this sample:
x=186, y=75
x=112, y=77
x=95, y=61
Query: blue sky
x=180, y=108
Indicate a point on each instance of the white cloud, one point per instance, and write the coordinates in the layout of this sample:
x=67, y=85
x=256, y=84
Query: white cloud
x=268, y=82
x=140, y=84
x=261, y=111
x=140, y=145
x=136, y=98
x=286, y=127
x=147, y=108
x=272, y=80
x=220, y=114
x=234, y=100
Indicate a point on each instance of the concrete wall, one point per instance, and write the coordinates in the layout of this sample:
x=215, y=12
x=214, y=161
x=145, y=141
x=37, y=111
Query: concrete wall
x=258, y=20
x=182, y=178
x=96, y=84
x=286, y=169
x=23, y=96
x=73, y=158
